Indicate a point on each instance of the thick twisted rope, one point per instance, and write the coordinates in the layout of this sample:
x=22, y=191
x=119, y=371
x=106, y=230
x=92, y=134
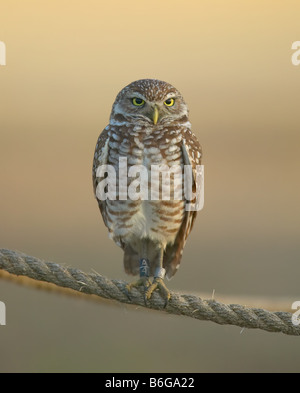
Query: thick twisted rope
x=19, y=264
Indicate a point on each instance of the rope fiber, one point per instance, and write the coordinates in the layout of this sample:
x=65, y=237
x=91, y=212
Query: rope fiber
x=18, y=264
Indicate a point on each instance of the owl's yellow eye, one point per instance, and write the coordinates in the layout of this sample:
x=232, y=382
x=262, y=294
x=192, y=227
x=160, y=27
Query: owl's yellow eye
x=138, y=101
x=169, y=102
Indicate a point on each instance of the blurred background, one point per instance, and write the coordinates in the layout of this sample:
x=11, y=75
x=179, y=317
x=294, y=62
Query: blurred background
x=66, y=61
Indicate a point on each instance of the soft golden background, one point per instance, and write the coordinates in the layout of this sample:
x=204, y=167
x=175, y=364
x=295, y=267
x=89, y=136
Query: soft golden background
x=66, y=61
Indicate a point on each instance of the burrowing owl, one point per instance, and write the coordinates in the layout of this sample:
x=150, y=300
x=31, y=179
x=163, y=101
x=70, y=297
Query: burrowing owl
x=149, y=126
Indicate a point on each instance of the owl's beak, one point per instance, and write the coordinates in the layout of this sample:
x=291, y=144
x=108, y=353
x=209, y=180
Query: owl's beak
x=155, y=114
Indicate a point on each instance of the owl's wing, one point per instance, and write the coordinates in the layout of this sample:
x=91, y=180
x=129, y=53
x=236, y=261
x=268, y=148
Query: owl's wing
x=191, y=153
x=101, y=158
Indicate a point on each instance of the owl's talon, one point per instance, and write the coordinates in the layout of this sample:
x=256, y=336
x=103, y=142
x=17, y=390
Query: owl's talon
x=127, y=293
x=145, y=299
x=158, y=283
x=141, y=282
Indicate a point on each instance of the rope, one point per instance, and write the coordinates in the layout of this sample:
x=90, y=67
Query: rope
x=19, y=264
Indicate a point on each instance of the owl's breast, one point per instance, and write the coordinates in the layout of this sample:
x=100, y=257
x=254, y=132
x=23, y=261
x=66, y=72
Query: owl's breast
x=153, y=207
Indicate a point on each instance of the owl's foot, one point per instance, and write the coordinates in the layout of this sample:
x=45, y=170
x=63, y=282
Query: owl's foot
x=143, y=280
x=158, y=283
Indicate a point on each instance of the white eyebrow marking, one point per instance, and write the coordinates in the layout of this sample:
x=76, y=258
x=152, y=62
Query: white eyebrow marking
x=172, y=94
x=137, y=95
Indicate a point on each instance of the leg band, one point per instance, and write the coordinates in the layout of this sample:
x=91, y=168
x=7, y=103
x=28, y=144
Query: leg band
x=144, y=268
x=160, y=272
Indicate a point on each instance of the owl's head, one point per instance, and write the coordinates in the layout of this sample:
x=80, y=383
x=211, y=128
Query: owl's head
x=150, y=101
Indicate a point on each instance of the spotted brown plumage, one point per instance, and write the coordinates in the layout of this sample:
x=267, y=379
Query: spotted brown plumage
x=148, y=126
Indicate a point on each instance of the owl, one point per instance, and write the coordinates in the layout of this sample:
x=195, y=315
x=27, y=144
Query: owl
x=149, y=128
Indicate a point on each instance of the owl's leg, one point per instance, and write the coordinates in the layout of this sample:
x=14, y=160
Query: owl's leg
x=158, y=282
x=143, y=281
